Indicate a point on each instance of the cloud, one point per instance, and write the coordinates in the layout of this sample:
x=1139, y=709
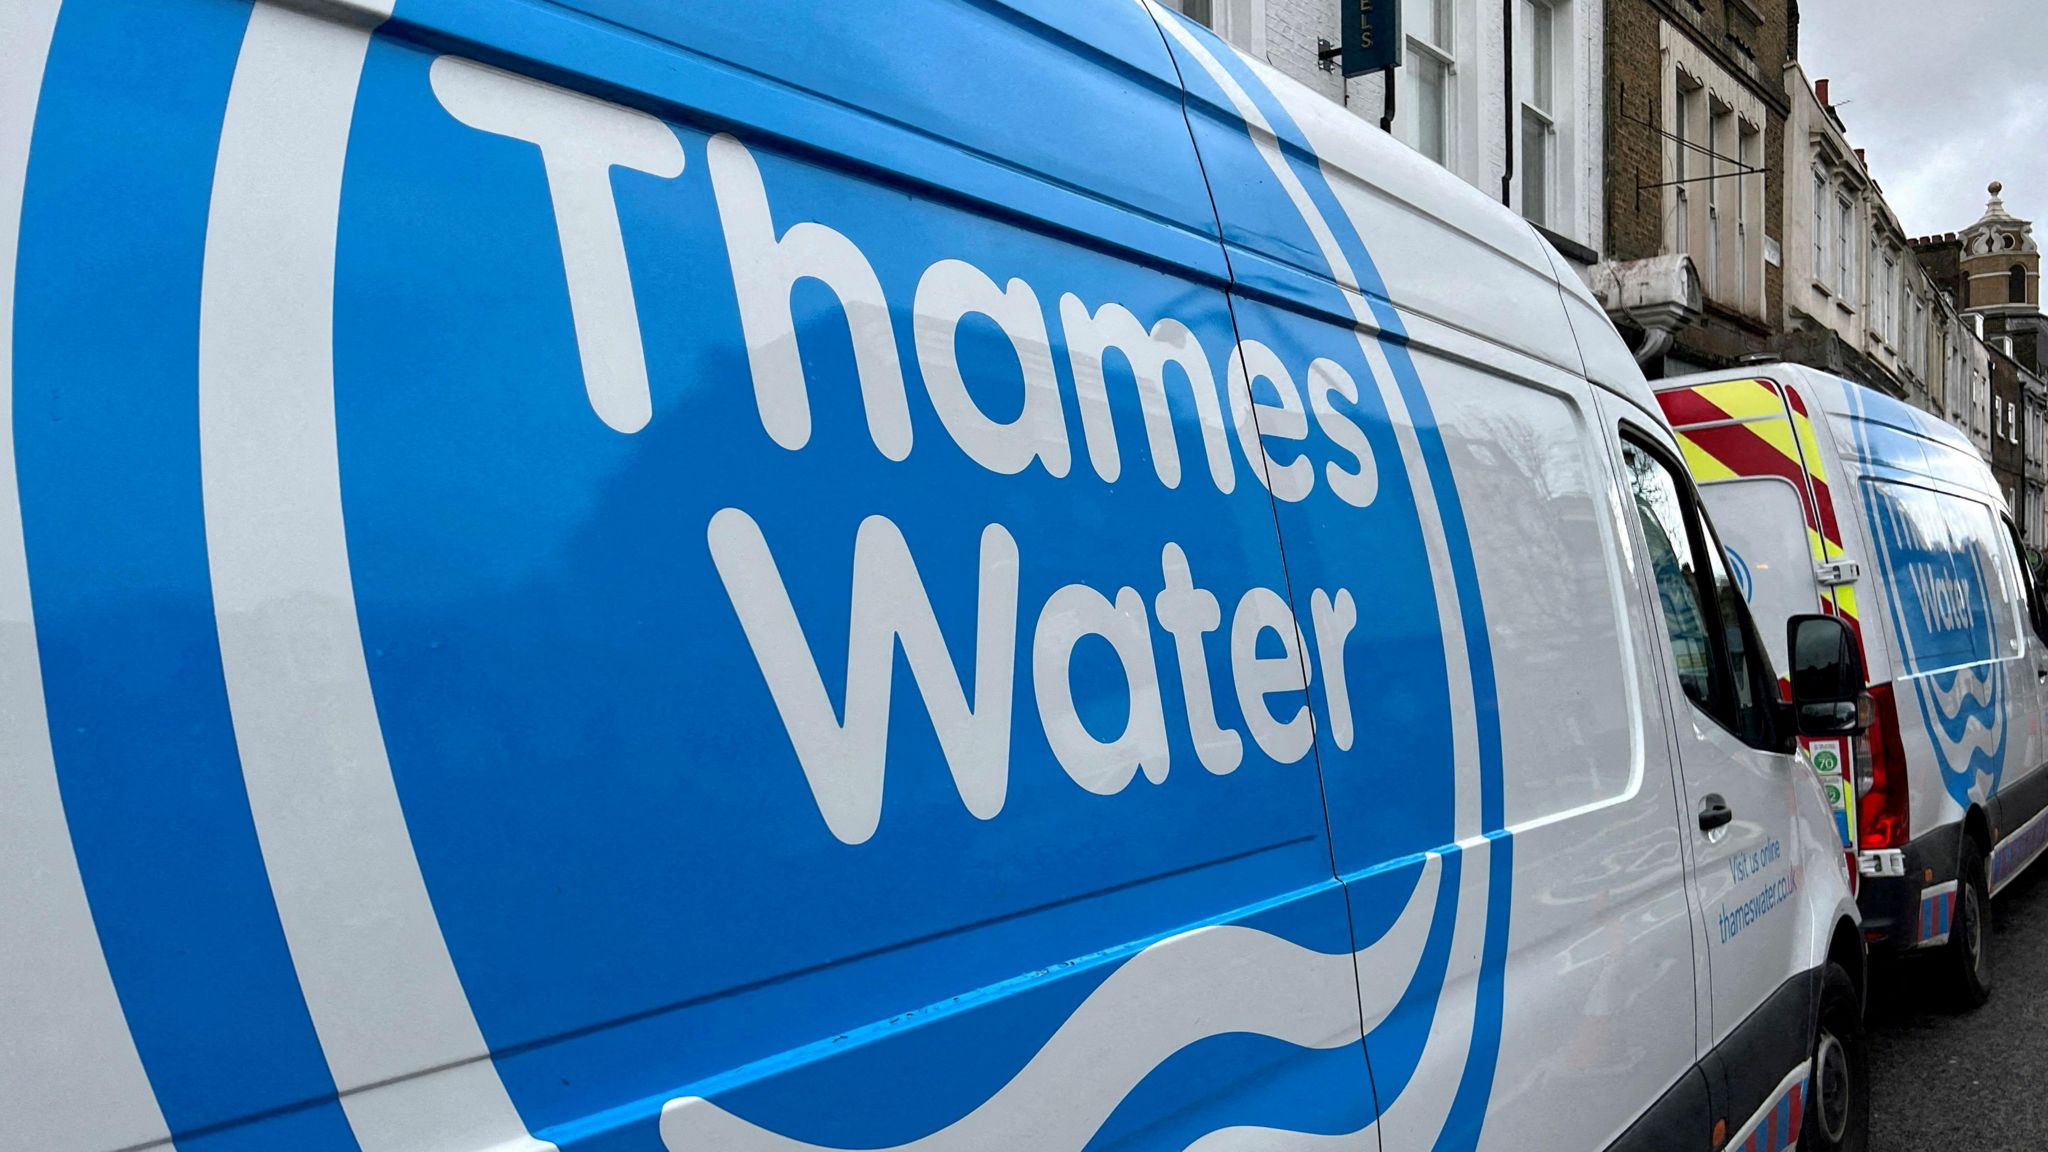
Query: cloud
x=1944, y=99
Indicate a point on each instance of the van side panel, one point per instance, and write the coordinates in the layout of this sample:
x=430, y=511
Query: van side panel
x=1954, y=608
x=602, y=595
x=112, y=253
x=70, y=1073
x=1589, y=791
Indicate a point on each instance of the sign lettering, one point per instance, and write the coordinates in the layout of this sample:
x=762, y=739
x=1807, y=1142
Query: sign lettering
x=1371, y=36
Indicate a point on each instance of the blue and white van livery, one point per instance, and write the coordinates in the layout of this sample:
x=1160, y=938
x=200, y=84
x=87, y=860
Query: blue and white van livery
x=615, y=575
x=1890, y=518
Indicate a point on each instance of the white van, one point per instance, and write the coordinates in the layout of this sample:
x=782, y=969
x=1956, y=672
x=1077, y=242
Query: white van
x=1836, y=496
x=756, y=576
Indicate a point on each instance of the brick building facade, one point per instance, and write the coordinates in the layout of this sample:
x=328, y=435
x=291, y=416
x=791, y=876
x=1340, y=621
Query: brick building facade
x=1695, y=111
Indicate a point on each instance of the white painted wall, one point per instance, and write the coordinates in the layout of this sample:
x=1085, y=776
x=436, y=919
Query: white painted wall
x=1284, y=33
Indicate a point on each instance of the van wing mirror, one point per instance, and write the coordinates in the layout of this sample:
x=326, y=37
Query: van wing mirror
x=1827, y=676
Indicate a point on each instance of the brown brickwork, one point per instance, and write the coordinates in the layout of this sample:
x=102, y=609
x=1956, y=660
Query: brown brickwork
x=1754, y=53
x=1942, y=258
x=1634, y=227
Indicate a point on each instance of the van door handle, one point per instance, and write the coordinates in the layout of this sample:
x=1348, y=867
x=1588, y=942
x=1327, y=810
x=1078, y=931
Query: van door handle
x=1714, y=813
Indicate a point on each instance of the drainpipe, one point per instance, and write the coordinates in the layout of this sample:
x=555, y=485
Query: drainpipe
x=1507, y=38
x=1656, y=341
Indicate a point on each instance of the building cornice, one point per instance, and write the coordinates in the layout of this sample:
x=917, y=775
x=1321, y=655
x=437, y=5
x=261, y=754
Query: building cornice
x=1836, y=154
x=1749, y=73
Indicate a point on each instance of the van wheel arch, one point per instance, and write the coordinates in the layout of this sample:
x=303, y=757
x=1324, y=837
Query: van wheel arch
x=1845, y=947
x=1977, y=826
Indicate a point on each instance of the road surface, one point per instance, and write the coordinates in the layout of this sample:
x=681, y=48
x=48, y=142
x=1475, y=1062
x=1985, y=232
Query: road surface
x=1974, y=1082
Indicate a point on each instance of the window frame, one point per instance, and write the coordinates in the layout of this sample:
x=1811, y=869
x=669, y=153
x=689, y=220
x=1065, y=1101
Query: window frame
x=1822, y=194
x=1713, y=182
x=1723, y=699
x=1890, y=291
x=2037, y=612
x=1845, y=258
x=1920, y=335
x=1418, y=41
x=1689, y=89
x=1538, y=112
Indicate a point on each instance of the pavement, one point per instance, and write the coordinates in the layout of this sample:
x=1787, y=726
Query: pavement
x=1969, y=1082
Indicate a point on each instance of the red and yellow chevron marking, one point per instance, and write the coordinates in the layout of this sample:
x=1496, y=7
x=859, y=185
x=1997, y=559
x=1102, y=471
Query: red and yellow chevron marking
x=1736, y=429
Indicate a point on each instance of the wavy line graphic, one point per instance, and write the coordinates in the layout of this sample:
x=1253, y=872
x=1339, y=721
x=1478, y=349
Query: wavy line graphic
x=1982, y=739
x=1969, y=683
x=1253, y=1139
x=1208, y=982
x=1978, y=738
x=1417, y=1116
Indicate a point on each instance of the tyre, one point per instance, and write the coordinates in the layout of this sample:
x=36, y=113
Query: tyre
x=1838, y=1094
x=1965, y=961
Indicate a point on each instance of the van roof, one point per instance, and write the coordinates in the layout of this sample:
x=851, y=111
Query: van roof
x=1931, y=447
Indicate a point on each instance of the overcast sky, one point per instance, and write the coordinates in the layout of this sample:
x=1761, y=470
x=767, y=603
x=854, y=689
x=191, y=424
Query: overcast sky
x=1945, y=97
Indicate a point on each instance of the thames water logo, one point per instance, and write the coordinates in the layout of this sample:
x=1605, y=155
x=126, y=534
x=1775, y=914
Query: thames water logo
x=1950, y=636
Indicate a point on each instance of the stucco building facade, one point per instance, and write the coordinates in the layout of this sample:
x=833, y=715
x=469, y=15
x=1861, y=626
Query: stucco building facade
x=1861, y=300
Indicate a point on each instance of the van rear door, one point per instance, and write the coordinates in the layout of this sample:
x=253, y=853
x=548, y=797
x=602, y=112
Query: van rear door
x=1752, y=449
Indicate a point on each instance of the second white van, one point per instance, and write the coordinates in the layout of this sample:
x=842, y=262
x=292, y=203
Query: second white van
x=1837, y=497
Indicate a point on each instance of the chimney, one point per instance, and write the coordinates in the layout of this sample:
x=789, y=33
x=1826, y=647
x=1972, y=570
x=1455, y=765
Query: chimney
x=1860, y=159
x=1820, y=91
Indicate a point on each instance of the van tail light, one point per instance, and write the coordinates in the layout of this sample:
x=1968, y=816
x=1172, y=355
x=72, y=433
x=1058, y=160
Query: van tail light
x=1882, y=812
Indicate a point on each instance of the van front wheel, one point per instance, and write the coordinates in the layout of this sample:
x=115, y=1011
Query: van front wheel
x=1838, y=1096
x=1967, y=955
